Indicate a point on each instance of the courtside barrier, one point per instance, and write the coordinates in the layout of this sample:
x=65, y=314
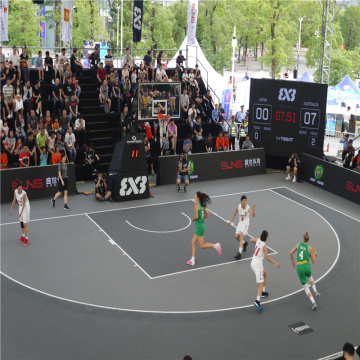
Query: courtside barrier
x=331, y=177
x=38, y=181
x=216, y=165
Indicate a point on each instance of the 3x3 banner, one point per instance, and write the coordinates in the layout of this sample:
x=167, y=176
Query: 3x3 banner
x=137, y=20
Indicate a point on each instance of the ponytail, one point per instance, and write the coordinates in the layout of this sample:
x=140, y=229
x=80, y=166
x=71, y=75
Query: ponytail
x=306, y=237
x=204, y=198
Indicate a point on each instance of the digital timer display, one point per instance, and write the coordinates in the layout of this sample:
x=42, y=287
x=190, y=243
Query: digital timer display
x=134, y=151
x=287, y=116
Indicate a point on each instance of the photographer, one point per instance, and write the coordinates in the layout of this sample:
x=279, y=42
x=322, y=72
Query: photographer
x=101, y=191
x=293, y=165
x=183, y=171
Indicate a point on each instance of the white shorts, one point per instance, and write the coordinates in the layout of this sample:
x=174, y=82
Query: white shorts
x=25, y=217
x=258, y=269
x=242, y=227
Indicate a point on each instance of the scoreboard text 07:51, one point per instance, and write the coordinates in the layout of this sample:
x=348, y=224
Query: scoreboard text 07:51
x=287, y=116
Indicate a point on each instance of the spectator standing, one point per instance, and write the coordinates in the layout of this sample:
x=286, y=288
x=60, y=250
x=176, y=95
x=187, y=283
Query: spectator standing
x=346, y=119
x=8, y=96
x=24, y=68
x=208, y=103
x=187, y=145
x=184, y=102
x=148, y=65
x=30, y=143
x=70, y=145
x=247, y=144
x=32, y=123
x=180, y=60
x=172, y=134
x=215, y=115
x=209, y=144
x=164, y=135
x=224, y=125
x=243, y=132
x=349, y=156
x=37, y=98
x=62, y=183
x=128, y=60
x=345, y=142
x=15, y=60
x=101, y=189
x=149, y=159
x=80, y=133
x=64, y=61
x=101, y=74
x=49, y=69
x=58, y=101
x=27, y=97
x=39, y=66
x=109, y=60
x=232, y=132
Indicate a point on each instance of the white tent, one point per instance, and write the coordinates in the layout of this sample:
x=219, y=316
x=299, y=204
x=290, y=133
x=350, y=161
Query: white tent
x=195, y=55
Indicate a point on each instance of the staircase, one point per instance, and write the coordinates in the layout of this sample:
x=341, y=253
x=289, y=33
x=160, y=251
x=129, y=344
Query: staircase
x=101, y=128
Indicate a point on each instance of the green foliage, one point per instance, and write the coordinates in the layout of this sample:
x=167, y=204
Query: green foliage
x=349, y=22
x=23, y=25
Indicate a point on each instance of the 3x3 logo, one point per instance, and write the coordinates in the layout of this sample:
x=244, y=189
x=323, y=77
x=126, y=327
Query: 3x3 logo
x=287, y=94
x=137, y=18
x=131, y=185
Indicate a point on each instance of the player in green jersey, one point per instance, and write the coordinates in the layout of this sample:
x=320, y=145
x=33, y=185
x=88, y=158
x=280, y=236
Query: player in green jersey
x=201, y=213
x=304, y=253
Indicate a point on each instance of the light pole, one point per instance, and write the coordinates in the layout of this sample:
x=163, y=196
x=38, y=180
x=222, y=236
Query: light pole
x=234, y=46
x=117, y=35
x=122, y=12
x=298, y=56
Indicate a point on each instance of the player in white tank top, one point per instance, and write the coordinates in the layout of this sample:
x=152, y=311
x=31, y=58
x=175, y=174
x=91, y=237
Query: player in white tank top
x=24, y=211
x=244, y=211
x=257, y=267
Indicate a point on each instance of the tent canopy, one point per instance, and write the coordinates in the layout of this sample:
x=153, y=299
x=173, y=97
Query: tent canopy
x=305, y=77
x=194, y=55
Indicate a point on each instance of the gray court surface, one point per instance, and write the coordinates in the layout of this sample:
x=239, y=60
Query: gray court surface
x=110, y=281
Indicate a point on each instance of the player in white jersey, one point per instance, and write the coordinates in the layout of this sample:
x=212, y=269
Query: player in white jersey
x=244, y=211
x=24, y=211
x=258, y=268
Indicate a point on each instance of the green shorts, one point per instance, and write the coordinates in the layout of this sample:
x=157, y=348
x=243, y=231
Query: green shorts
x=200, y=229
x=304, y=272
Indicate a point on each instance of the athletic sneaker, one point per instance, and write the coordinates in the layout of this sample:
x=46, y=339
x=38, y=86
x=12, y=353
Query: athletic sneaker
x=26, y=242
x=152, y=172
x=314, y=306
x=21, y=239
x=66, y=207
x=317, y=294
x=53, y=202
x=264, y=294
x=288, y=177
x=184, y=189
x=218, y=248
x=294, y=179
x=178, y=188
x=191, y=263
x=237, y=256
x=257, y=305
x=245, y=245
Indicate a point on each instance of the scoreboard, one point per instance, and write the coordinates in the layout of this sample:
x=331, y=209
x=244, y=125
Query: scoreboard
x=287, y=116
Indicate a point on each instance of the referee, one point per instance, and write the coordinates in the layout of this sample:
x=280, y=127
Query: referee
x=62, y=182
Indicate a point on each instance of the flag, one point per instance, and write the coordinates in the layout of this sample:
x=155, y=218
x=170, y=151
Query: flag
x=4, y=8
x=137, y=20
x=66, y=20
x=192, y=20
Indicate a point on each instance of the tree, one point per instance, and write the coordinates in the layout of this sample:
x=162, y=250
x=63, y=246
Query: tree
x=23, y=24
x=349, y=22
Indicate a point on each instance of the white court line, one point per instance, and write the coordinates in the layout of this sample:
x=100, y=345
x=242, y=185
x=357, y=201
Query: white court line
x=162, y=232
x=114, y=243
x=335, y=355
x=182, y=312
x=318, y=203
x=136, y=207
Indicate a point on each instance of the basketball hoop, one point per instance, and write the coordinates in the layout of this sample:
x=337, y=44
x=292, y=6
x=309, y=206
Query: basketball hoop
x=162, y=116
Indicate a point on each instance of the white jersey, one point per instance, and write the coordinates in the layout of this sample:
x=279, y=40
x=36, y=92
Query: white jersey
x=258, y=255
x=244, y=214
x=19, y=199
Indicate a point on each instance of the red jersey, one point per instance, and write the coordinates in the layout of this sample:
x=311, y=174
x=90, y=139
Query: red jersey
x=4, y=161
x=24, y=157
x=149, y=134
x=102, y=73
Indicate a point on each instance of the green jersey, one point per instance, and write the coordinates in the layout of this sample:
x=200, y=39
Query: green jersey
x=199, y=222
x=201, y=212
x=303, y=253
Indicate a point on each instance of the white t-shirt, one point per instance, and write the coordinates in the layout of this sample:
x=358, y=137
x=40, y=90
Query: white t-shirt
x=347, y=116
x=191, y=78
x=63, y=57
x=77, y=124
x=56, y=64
x=133, y=77
x=70, y=139
x=258, y=255
x=160, y=73
x=15, y=59
x=19, y=199
x=244, y=214
x=51, y=144
x=185, y=77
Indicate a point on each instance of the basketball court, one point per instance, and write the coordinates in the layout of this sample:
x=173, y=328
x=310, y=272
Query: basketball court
x=111, y=280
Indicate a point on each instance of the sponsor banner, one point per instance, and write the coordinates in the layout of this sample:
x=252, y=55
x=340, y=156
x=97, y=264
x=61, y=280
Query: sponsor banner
x=331, y=177
x=41, y=14
x=38, y=182
x=192, y=21
x=217, y=165
x=129, y=186
x=137, y=20
x=4, y=8
x=66, y=20
x=301, y=328
x=226, y=98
